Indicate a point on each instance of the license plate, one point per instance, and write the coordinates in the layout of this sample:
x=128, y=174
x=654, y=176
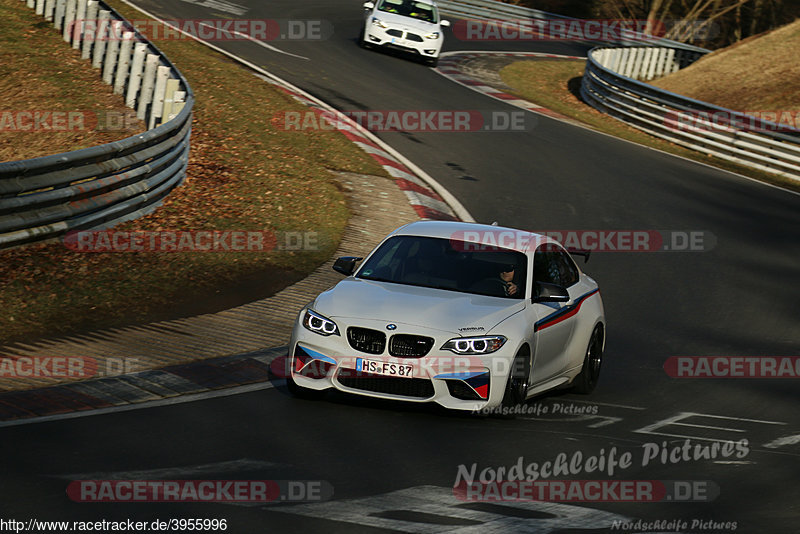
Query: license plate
x=377, y=367
x=399, y=42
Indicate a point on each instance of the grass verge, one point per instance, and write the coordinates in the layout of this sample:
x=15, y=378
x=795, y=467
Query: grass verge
x=555, y=84
x=758, y=74
x=244, y=173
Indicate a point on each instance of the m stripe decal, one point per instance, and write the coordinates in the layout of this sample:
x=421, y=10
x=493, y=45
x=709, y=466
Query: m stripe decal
x=564, y=313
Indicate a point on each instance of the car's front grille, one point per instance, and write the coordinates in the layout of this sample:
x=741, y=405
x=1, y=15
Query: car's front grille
x=394, y=33
x=414, y=37
x=366, y=339
x=420, y=388
x=409, y=346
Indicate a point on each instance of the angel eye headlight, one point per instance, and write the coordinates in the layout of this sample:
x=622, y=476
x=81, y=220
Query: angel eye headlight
x=319, y=324
x=475, y=345
x=377, y=22
x=432, y=35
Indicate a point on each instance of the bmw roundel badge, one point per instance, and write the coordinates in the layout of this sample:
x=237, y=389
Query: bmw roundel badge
x=391, y=326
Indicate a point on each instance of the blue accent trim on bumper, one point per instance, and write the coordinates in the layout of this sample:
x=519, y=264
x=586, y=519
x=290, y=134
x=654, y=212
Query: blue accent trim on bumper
x=317, y=355
x=460, y=376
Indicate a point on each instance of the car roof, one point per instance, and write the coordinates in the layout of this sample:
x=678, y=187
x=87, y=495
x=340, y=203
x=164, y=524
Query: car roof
x=485, y=234
x=430, y=2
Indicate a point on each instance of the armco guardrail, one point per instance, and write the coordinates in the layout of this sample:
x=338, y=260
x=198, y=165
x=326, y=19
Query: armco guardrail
x=509, y=13
x=43, y=198
x=609, y=86
x=491, y=10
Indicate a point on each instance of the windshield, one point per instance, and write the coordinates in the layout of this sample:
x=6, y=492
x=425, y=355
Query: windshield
x=448, y=264
x=410, y=8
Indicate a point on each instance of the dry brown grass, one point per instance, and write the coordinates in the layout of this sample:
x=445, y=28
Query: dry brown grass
x=758, y=74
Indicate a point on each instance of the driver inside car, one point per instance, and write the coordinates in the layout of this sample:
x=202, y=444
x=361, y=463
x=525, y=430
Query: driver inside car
x=501, y=285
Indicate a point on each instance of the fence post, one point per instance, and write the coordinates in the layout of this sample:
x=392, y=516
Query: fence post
x=169, y=99
x=148, y=82
x=124, y=62
x=654, y=59
x=90, y=29
x=641, y=70
x=58, y=19
x=69, y=19
x=80, y=24
x=158, y=96
x=112, y=50
x=632, y=63
x=137, y=66
x=668, y=66
x=616, y=59
x=623, y=62
x=101, y=37
x=178, y=101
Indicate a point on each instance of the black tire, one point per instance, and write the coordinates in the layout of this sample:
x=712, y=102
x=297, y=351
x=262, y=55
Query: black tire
x=362, y=42
x=517, y=384
x=586, y=381
x=433, y=62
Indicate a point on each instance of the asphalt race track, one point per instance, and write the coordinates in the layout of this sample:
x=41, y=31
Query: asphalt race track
x=392, y=467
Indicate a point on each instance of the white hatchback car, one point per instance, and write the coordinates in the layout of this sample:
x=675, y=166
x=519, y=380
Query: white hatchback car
x=409, y=25
x=470, y=316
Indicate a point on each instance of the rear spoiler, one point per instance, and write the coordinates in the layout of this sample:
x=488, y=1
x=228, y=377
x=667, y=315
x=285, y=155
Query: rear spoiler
x=579, y=252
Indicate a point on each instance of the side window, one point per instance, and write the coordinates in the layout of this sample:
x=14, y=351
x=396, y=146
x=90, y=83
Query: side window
x=569, y=271
x=552, y=265
x=544, y=269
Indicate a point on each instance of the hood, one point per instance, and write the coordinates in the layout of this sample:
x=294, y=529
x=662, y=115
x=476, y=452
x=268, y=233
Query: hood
x=393, y=20
x=450, y=311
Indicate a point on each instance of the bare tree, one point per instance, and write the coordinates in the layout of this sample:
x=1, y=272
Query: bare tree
x=709, y=23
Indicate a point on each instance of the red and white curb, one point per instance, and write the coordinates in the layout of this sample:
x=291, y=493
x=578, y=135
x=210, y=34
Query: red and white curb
x=449, y=67
x=210, y=378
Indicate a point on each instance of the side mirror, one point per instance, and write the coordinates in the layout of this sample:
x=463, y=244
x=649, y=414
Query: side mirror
x=346, y=265
x=444, y=23
x=550, y=293
x=369, y=5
